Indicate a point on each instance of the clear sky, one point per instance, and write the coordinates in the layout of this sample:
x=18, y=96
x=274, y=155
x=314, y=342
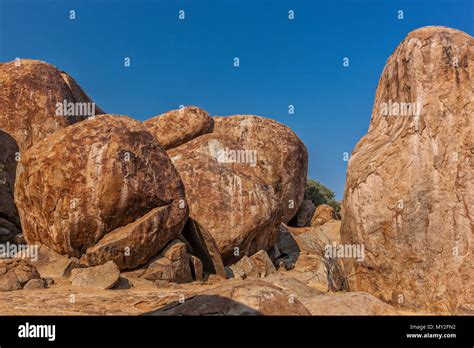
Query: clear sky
x=191, y=62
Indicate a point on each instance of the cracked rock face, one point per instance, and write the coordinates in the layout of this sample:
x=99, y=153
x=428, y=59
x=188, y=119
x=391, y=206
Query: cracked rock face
x=102, y=189
x=409, y=194
x=30, y=90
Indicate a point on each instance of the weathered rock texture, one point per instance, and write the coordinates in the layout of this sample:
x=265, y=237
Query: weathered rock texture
x=102, y=189
x=237, y=298
x=98, y=277
x=9, y=219
x=409, y=194
x=172, y=265
x=15, y=273
x=282, y=159
x=323, y=214
x=176, y=127
x=226, y=199
x=30, y=90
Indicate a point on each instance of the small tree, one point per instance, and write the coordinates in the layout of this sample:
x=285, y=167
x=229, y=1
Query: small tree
x=320, y=194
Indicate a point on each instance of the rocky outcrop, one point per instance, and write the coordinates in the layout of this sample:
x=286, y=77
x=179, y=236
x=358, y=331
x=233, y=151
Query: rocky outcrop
x=176, y=127
x=323, y=214
x=102, y=189
x=29, y=96
x=409, y=193
x=9, y=219
x=226, y=199
x=281, y=157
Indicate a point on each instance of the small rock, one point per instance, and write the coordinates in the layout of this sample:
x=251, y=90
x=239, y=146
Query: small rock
x=323, y=214
x=99, y=277
x=263, y=264
x=15, y=273
x=175, y=251
x=196, y=267
x=123, y=284
x=35, y=284
x=244, y=268
x=9, y=282
x=53, y=265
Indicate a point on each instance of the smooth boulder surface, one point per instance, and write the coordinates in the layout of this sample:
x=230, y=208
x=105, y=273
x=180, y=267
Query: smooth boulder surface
x=102, y=189
x=29, y=93
x=409, y=193
x=226, y=199
x=282, y=158
x=98, y=277
x=176, y=127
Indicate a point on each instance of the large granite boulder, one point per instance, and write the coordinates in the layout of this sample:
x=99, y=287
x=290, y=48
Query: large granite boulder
x=32, y=99
x=409, y=195
x=176, y=127
x=226, y=199
x=102, y=189
x=281, y=157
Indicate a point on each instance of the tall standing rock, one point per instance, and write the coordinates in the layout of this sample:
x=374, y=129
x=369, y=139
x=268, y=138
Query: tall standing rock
x=29, y=96
x=409, y=194
x=103, y=189
x=282, y=159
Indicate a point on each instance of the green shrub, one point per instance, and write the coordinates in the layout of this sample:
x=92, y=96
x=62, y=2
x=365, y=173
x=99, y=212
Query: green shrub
x=320, y=194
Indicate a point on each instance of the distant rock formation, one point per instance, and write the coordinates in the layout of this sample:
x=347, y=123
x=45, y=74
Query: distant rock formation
x=409, y=195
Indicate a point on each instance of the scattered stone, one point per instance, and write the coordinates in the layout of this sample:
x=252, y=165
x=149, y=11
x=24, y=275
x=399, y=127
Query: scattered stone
x=15, y=273
x=258, y=265
x=99, y=277
x=171, y=265
x=53, y=265
x=35, y=284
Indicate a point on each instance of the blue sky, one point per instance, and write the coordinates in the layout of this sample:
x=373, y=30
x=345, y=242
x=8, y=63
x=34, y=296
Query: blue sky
x=190, y=62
